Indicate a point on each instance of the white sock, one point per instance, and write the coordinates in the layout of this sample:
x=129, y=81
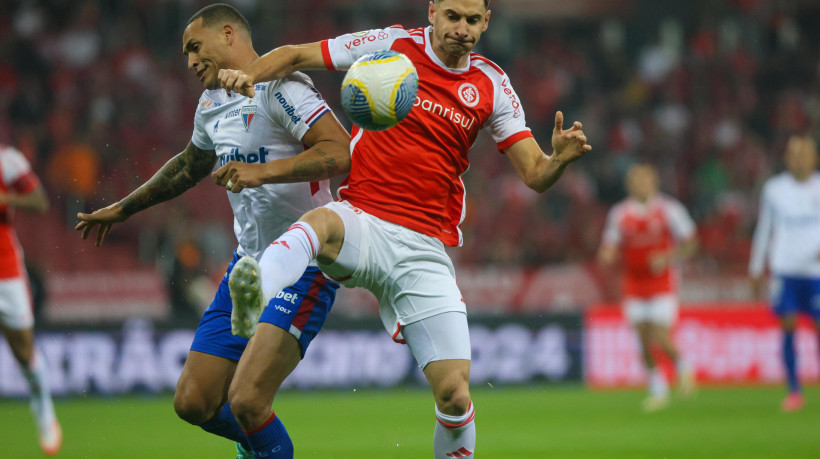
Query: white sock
x=285, y=260
x=37, y=376
x=658, y=386
x=454, y=435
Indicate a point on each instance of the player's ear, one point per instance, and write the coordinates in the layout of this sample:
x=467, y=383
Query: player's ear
x=228, y=33
x=486, y=21
x=431, y=11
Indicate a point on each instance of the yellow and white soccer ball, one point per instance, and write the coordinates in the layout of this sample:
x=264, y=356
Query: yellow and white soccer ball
x=379, y=90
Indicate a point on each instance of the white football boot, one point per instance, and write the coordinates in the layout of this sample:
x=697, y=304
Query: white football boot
x=246, y=294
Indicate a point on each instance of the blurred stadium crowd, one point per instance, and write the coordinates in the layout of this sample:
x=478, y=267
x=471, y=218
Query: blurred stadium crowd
x=97, y=95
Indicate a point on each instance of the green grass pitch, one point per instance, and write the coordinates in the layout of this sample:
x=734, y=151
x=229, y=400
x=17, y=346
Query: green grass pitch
x=514, y=423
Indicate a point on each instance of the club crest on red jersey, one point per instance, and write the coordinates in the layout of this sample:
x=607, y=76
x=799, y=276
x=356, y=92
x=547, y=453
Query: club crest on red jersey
x=248, y=112
x=468, y=94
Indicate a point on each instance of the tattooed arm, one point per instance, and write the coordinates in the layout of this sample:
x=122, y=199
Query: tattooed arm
x=179, y=174
x=328, y=155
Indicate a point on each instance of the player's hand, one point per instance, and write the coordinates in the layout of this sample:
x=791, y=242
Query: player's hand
x=236, y=80
x=757, y=287
x=570, y=144
x=659, y=261
x=236, y=176
x=105, y=218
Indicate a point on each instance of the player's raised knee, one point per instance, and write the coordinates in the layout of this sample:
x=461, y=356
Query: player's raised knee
x=248, y=406
x=194, y=410
x=453, y=399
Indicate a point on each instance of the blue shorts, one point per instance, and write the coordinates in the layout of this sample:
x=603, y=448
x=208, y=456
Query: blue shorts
x=791, y=295
x=300, y=309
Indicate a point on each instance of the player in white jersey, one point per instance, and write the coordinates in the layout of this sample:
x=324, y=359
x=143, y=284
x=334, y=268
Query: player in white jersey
x=21, y=189
x=788, y=231
x=404, y=198
x=287, y=130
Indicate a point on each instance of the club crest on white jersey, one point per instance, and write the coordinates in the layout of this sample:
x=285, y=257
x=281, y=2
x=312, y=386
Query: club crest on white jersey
x=258, y=130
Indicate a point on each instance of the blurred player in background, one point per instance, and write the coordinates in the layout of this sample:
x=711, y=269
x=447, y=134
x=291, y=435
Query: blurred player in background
x=404, y=198
x=652, y=232
x=290, y=132
x=788, y=231
x=21, y=189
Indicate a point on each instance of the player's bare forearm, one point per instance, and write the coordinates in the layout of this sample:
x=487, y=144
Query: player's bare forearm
x=35, y=201
x=285, y=60
x=607, y=254
x=540, y=171
x=178, y=175
x=686, y=249
x=536, y=169
x=547, y=171
x=322, y=161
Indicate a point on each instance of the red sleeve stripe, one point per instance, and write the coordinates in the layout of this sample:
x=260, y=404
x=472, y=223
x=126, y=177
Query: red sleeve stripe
x=487, y=61
x=509, y=141
x=316, y=115
x=326, y=55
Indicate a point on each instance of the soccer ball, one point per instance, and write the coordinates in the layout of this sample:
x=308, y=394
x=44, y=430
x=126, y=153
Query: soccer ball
x=379, y=90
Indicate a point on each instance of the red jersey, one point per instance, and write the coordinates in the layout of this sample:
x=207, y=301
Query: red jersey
x=641, y=230
x=411, y=174
x=16, y=177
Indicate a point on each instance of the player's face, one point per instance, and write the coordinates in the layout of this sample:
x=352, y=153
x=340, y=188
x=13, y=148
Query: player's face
x=801, y=157
x=206, y=49
x=457, y=26
x=641, y=183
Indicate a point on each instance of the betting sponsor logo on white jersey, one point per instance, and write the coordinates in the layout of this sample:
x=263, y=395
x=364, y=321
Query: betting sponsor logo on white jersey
x=289, y=109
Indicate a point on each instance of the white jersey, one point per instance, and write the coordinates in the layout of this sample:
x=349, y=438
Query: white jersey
x=270, y=126
x=788, y=227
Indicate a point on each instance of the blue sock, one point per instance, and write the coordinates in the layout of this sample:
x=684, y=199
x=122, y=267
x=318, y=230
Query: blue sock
x=225, y=425
x=790, y=361
x=271, y=440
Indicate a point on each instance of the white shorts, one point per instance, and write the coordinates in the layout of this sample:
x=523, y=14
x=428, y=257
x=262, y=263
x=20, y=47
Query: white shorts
x=409, y=272
x=659, y=309
x=15, y=304
x=441, y=337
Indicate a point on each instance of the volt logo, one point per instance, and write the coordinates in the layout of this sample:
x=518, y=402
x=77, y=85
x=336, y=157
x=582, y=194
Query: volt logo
x=249, y=158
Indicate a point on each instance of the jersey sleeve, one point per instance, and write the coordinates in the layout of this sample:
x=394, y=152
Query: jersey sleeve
x=612, y=227
x=341, y=52
x=17, y=173
x=763, y=233
x=200, y=137
x=680, y=222
x=295, y=104
x=507, y=125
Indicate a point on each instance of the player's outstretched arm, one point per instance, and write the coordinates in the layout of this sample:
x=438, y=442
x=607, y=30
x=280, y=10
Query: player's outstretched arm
x=274, y=65
x=328, y=155
x=33, y=201
x=179, y=174
x=540, y=171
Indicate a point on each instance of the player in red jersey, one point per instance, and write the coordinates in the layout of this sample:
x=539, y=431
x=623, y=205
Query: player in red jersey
x=652, y=231
x=21, y=189
x=404, y=198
